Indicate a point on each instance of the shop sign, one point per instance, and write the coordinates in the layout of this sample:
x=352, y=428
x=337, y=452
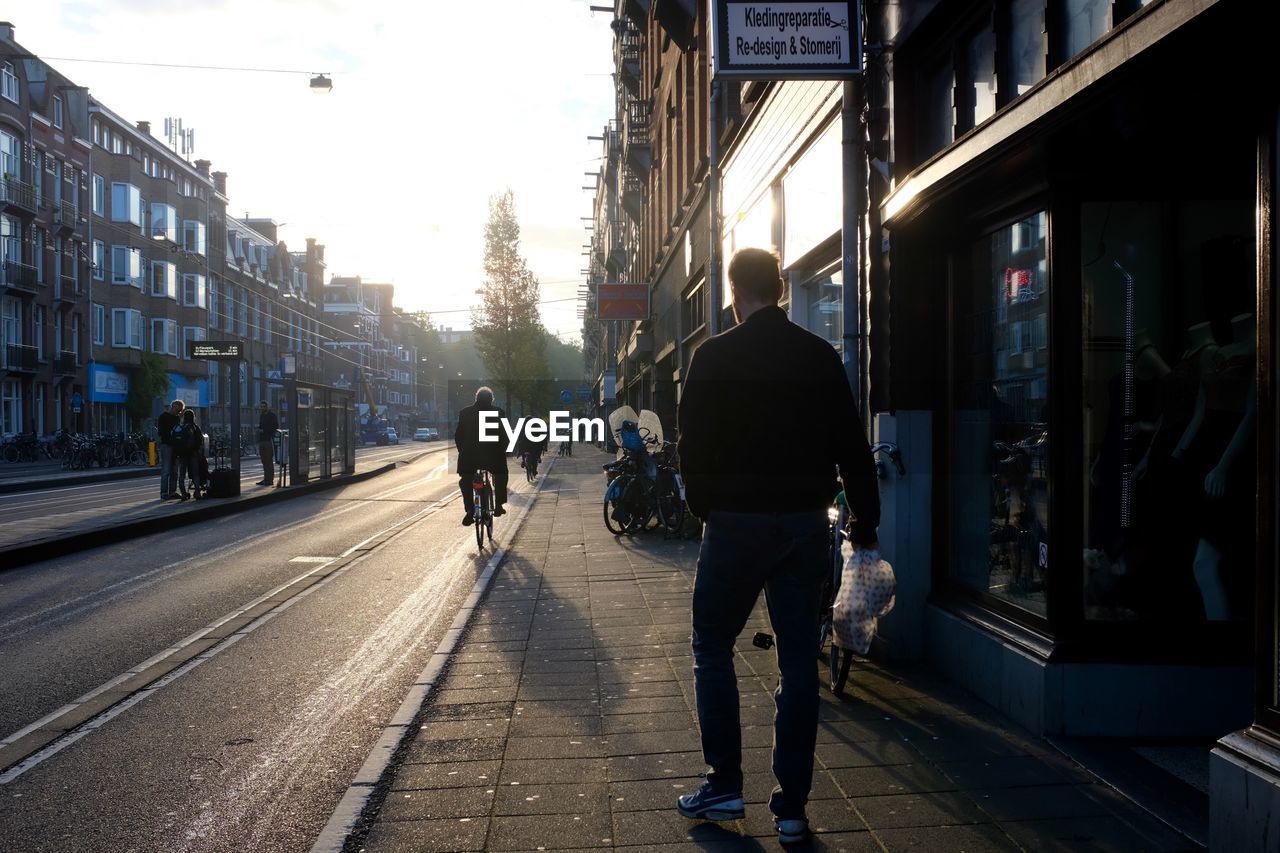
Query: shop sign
x=622, y=302
x=109, y=384
x=785, y=40
x=194, y=393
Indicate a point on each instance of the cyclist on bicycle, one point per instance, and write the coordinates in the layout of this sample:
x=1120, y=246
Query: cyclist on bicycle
x=530, y=451
x=474, y=454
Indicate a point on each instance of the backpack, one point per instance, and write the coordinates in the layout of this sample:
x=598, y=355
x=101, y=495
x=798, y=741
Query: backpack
x=186, y=438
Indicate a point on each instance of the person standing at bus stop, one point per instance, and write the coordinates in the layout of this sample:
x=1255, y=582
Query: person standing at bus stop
x=268, y=426
x=169, y=419
x=765, y=383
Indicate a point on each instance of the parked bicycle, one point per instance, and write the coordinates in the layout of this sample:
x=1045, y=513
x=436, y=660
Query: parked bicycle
x=838, y=660
x=643, y=486
x=22, y=447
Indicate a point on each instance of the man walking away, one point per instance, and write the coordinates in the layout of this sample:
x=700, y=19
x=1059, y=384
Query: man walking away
x=474, y=454
x=268, y=426
x=169, y=419
x=765, y=383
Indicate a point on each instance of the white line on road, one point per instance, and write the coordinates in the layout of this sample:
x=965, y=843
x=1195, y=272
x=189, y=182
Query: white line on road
x=97, y=721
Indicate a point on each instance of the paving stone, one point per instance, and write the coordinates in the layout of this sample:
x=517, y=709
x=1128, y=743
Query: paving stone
x=427, y=836
x=437, y=804
x=424, y=749
x=1002, y=772
x=664, y=826
x=566, y=799
x=1104, y=834
x=979, y=838
x=549, y=832
x=1039, y=802
x=882, y=780
x=553, y=771
x=944, y=808
x=676, y=766
x=455, y=729
x=570, y=746
x=414, y=776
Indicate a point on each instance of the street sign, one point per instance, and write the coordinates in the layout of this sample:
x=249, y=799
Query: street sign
x=76, y=401
x=622, y=302
x=584, y=394
x=566, y=396
x=216, y=350
x=787, y=39
x=289, y=364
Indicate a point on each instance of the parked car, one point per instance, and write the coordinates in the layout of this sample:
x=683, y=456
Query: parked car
x=422, y=434
x=435, y=433
x=392, y=438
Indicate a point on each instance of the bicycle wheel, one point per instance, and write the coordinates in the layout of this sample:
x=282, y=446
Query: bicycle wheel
x=617, y=518
x=478, y=524
x=670, y=508
x=838, y=662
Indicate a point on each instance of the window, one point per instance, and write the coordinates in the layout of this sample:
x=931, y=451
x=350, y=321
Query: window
x=936, y=110
x=267, y=324
x=10, y=156
x=10, y=240
x=215, y=383
x=99, y=322
x=97, y=132
x=57, y=111
x=255, y=319
x=1027, y=48
x=126, y=266
x=1000, y=439
x=11, y=406
x=37, y=253
x=193, y=236
x=164, y=222
x=193, y=290
x=37, y=330
x=189, y=334
x=693, y=310
x=75, y=337
x=126, y=204
x=126, y=328
x=825, y=306
x=164, y=336
x=99, y=259
x=164, y=279
x=99, y=195
x=244, y=313
x=976, y=89
x=214, y=305
x=9, y=86
x=1083, y=23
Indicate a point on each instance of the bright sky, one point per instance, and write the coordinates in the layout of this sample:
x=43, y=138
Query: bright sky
x=435, y=106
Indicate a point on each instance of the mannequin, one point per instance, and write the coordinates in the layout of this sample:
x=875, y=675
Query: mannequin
x=1218, y=443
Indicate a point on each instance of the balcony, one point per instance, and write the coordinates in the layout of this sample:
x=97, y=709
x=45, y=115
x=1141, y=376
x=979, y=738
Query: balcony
x=628, y=47
x=64, y=364
x=15, y=196
x=65, y=289
x=66, y=218
x=19, y=358
x=632, y=195
x=615, y=248
x=637, y=151
x=20, y=277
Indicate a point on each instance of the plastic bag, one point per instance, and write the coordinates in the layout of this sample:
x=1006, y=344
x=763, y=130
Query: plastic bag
x=866, y=593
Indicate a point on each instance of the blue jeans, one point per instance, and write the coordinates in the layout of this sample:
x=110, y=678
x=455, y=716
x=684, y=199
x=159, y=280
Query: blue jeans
x=168, y=471
x=785, y=554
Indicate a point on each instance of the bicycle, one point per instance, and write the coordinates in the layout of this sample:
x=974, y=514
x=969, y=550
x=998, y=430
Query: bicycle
x=838, y=660
x=529, y=462
x=641, y=487
x=482, y=506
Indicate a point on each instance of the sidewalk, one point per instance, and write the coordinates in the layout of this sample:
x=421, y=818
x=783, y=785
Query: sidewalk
x=566, y=722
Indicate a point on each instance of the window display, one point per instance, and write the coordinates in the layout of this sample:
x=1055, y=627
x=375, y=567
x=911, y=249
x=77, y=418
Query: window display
x=1169, y=446
x=1000, y=432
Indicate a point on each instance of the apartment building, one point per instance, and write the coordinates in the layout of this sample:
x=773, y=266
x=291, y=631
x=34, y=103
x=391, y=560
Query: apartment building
x=45, y=158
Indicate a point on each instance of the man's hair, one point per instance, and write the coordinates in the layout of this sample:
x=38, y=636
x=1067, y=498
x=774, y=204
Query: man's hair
x=484, y=395
x=263, y=403
x=188, y=416
x=181, y=405
x=755, y=273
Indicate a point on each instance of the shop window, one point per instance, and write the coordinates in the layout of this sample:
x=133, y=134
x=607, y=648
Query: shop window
x=1000, y=488
x=824, y=313
x=693, y=310
x=1169, y=400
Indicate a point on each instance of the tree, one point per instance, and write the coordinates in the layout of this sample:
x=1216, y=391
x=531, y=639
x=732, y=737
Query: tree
x=508, y=328
x=150, y=380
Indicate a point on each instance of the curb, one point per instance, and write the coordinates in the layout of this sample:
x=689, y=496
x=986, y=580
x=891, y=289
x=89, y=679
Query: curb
x=109, y=534
x=397, y=733
x=14, y=486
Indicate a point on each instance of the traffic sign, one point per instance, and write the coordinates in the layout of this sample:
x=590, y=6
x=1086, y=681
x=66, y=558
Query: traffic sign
x=566, y=396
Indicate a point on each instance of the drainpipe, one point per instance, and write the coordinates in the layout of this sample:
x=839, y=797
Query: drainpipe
x=854, y=201
x=713, y=208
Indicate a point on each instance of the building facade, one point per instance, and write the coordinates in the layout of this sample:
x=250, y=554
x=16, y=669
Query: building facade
x=1061, y=296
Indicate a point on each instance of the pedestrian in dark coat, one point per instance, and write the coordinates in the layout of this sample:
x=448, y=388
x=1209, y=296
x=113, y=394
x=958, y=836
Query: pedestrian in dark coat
x=766, y=385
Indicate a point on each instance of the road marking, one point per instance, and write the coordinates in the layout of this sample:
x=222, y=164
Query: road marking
x=311, y=559
x=153, y=674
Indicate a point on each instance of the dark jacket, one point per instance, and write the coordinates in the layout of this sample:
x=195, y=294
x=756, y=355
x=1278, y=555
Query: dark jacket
x=767, y=419
x=268, y=426
x=165, y=424
x=474, y=454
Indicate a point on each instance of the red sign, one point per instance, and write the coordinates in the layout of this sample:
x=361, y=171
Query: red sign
x=622, y=302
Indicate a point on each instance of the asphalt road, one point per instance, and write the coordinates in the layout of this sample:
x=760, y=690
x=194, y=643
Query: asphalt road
x=250, y=745
x=61, y=507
